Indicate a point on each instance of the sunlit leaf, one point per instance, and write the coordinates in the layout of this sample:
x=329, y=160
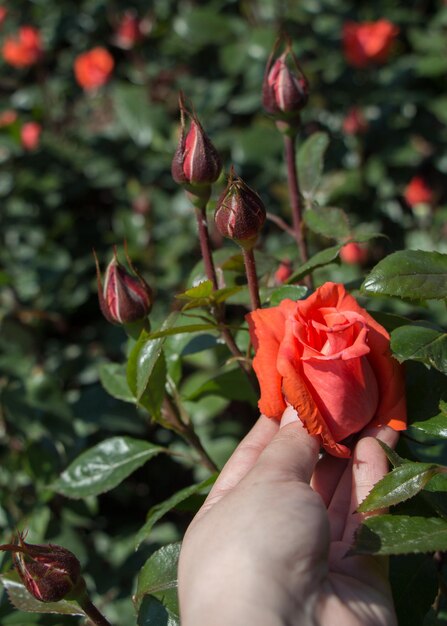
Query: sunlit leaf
x=158, y=578
x=399, y=485
x=104, y=466
x=409, y=274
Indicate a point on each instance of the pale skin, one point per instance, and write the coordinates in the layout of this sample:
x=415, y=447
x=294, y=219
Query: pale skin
x=268, y=546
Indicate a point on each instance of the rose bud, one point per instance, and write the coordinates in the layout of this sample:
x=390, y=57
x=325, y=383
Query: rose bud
x=124, y=298
x=49, y=572
x=240, y=213
x=331, y=361
x=368, y=42
x=7, y=117
x=285, y=89
x=3, y=15
x=196, y=161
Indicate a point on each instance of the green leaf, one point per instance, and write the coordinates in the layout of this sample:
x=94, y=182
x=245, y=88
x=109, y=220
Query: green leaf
x=231, y=385
x=104, y=466
x=434, y=426
x=153, y=613
x=409, y=274
x=393, y=457
x=113, y=379
x=159, y=510
x=180, y=330
x=328, y=221
x=203, y=295
x=291, y=292
x=152, y=390
x=418, y=343
x=142, y=361
x=310, y=163
x=399, y=485
x=202, y=290
x=400, y=534
x=20, y=598
x=158, y=578
x=324, y=257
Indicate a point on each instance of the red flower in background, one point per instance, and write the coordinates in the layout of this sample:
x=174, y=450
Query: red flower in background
x=93, y=68
x=30, y=135
x=3, y=15
x=354, y=253
x=329, y=359
x=24, y=48
x=368, y=42
x=418, y=192
x=284, y=272
x=128, y=32
x=355, y=123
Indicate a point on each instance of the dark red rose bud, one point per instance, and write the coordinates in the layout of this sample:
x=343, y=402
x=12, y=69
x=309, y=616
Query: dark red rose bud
x=240, y=212
x=285, y=89
x=49, y=572
x=124, y=298
x=196, y=161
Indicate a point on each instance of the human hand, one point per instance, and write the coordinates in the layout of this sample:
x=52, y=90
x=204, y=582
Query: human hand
x=267, y=549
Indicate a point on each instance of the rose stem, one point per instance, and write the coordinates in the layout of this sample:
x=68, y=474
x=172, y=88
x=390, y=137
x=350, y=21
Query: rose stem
x=205, y=247
x=92, y=612
x=295, y=199
x=250, y=270
x=186, y=431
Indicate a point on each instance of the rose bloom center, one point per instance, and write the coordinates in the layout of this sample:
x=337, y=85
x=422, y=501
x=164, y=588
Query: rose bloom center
x=334, y=357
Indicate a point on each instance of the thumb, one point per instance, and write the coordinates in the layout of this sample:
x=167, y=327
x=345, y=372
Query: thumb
x=292, y=453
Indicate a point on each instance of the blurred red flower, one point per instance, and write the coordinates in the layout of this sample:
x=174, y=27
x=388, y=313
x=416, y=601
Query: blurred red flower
x=283, y=272
x=417, y=191
x=7, y=117
x=355, y=123
x=354, y=253
x=3, y=14
x=30, y=135
x=128, y=31
x=24, y=48
x=368, y=42
x=93, y=68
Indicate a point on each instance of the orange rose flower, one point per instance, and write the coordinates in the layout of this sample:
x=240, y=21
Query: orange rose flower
x=329, y=359
x=24, y=48
x=93, y=68
x=418, y=191
x=368, y=42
